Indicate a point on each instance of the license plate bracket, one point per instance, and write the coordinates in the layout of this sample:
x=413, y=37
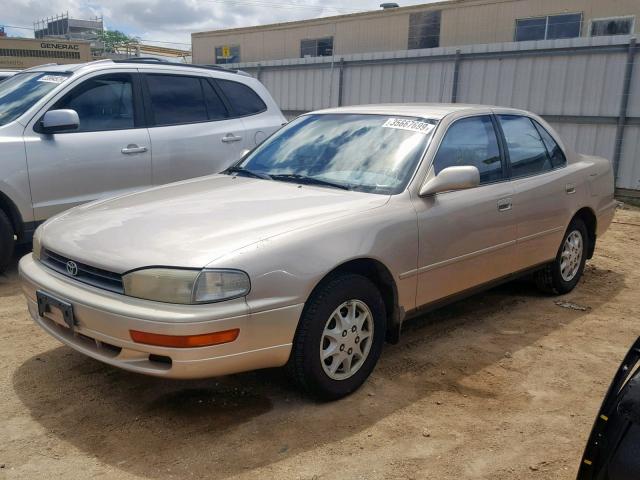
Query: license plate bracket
x=47, y=301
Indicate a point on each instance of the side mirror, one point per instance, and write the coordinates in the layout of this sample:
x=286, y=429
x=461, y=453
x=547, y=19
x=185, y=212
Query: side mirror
x=59, y=120
x=452, y=178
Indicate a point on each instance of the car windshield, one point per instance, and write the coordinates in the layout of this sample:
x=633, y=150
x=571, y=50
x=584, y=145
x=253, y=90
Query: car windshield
x=20, y=92
x=369, y=153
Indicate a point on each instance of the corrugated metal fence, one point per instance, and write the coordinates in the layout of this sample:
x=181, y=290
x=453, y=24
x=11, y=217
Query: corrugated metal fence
x=587, y=88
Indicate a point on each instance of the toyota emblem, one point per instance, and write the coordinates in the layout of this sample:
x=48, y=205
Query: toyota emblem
x=72, y=268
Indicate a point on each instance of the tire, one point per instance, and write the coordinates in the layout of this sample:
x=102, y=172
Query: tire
x=558, y=278
x=321, y=331
x=7, y=243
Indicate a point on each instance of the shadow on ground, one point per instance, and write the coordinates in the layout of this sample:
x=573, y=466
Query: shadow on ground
x=220, y=427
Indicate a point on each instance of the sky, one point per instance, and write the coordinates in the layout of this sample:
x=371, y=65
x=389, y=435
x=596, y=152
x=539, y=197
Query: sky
x=173, y=21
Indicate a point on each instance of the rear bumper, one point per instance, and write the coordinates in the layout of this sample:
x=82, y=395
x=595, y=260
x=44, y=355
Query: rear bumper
x=104, y=319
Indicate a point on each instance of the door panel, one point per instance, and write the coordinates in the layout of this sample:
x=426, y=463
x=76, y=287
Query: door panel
x=466, y=239
x=191, y=131
x=539, y=202
x=187, y=151
x=106, y=156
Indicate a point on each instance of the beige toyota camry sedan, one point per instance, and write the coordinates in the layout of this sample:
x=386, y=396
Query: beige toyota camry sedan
x=314, y=248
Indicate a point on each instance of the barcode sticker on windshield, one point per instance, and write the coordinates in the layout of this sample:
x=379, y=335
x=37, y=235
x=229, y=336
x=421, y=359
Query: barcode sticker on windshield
x=52, y=79
x=412, y=125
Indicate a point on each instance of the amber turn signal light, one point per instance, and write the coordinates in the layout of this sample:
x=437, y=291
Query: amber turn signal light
x=184, y=341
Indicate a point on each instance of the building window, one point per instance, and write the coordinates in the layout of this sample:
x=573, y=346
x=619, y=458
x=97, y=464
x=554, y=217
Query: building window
x=227, y=54
x=317, y=47
x=424, y=30
x=613, y=26
x=550, y=27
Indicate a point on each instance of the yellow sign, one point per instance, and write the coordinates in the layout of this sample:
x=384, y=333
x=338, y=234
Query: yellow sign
x=226, y=52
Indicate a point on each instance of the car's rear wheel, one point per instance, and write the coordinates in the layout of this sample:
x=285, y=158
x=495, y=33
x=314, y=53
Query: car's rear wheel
x=7, y=241
x=563, y=274
x=339, y=338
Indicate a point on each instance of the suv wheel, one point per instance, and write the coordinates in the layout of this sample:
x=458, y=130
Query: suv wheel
x=7, y=242
x=563, y=274
x=339, y=338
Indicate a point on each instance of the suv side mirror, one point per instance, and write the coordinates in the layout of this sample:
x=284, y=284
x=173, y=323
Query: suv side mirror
x=452, y=178
x=59, y=120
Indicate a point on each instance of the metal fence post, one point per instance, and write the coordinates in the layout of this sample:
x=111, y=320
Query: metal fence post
x=624, y=103
x=258, y=71
x=340, y=81
x=456, y=75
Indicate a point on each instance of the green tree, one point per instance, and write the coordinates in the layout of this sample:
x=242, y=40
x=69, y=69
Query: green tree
x=114, y=39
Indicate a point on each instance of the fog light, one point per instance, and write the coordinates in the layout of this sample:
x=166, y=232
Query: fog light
x=184, y=341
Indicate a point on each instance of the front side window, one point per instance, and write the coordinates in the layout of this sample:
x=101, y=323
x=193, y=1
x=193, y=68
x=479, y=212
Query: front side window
x=242, y=98
x=102, y=103
x=549, y=27
x=317, y=47
x=471, y=141
x=527, y=153
x=176, y=99
x=20, y=92
x=612, y=26
x=367, y=153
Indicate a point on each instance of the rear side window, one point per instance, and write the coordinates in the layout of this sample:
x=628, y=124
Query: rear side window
x=215, y=106
x=527, y=153
x=242, y=98
x=176, y=99
x=553, y=149
x=102, y=103
x=471, y=141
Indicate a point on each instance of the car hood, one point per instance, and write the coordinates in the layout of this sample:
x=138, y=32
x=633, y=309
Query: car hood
x=192, y=223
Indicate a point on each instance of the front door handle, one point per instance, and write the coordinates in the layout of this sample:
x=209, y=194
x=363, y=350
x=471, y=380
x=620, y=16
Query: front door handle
x=570, y=188
x=505, y=204
x=230, y=137
x=133, y=148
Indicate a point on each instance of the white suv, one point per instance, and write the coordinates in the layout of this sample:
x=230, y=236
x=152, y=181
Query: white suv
x=75, y=133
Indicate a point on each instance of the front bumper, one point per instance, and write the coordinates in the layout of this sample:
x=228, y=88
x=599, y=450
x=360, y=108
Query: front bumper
x=103, y=320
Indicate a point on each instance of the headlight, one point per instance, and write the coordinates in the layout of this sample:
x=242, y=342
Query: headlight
x=37, y=243
x=173, y=285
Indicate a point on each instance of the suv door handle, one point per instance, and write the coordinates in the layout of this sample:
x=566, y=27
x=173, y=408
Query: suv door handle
x=230, y=137
x=504, y=204
x=133, y=148
x=570, y=188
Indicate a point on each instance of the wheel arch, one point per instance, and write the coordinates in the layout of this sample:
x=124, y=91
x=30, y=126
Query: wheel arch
x=590, y=220
x=381, y=276
x=12, y=212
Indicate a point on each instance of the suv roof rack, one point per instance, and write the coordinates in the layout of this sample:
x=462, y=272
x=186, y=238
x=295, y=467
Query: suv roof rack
x=154, y=60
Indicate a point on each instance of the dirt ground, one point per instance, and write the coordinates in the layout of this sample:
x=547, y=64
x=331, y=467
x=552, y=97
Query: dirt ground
x=504, y=385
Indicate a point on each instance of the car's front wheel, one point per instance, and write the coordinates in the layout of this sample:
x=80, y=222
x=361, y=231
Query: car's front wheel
x=563, y=274
x=339, y=338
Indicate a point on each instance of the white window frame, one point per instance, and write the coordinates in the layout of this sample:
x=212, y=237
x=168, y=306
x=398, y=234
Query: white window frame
x=619, y=17
x=546, y=23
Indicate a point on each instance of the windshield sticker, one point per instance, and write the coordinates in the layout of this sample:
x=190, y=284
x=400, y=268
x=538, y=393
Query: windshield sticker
x=411, y=125
x=53, y=78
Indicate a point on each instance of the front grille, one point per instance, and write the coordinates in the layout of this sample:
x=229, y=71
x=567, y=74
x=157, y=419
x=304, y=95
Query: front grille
x=86, y=273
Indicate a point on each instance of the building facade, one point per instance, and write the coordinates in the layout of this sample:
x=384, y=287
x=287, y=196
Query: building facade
x=441, y=24
x=22, y=53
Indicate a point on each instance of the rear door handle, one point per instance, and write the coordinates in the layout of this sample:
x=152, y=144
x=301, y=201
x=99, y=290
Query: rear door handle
x=504, y=204
x=230, y=137
x=133, y=148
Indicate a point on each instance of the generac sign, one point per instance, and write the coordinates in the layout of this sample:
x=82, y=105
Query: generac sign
x=59, y=46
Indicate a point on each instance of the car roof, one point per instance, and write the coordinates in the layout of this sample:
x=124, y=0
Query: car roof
x=435, y=111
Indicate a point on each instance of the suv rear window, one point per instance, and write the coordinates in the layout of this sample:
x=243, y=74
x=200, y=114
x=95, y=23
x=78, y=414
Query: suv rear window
x=176, y=99
x=244, y=101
